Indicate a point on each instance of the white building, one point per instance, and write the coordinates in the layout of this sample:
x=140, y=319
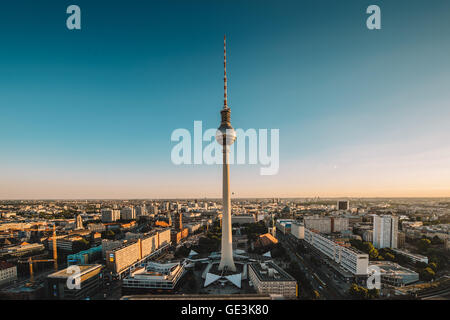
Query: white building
x=368, y=235
x=8, y=272
x=110, y=215
x=284, y=225
x=128, y=213
x=298, y=230
x=411, y=256
x=142, y=211
x=349, y=259
x=395, y=275
x=268, y=278
x=153, y=276
x=385, y=230
x=79, y=222
x=326, y=224
x=96, y=227
x=242, y=219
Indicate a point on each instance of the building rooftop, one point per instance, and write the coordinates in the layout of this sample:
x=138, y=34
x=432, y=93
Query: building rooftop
x=84, y=268
x=388, y=267
x=269, y=271
x=5, y=265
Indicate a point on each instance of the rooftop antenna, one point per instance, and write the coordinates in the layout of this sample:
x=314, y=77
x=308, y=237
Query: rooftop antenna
x=225, y=105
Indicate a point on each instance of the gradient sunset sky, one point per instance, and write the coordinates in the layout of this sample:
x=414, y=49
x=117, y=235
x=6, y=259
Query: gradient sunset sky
x=89, y=113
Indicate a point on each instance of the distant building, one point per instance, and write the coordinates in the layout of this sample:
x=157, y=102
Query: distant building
x=79, y=222
x=8, y=272
x=284, y=225
x=193, y=227
x=142, y=211
x=22, y=249
x=412, y=256
x=326, y=225
x=128, y=213
x=268, y=278
x=385, y=230
x=96, y=227
x=64, y=244
x=368, y=236
x=401, y=239
x=395, y=275
x=265, y=240
x=56, y=283
x=110, y=215
x=343, y=205
x=153, y=209
x=176, y=236
x=298, y=230
x=85, y=257
x=242, y=219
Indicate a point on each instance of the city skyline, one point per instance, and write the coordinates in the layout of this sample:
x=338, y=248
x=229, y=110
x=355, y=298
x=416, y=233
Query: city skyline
x=89, y=114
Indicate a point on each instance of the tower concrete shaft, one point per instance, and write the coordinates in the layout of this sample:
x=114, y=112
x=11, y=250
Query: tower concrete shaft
x=226, y=260
x=226, y=136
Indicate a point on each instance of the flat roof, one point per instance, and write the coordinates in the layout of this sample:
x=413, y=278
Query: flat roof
x=263, y=274
x=392, y=267
x=84, y=268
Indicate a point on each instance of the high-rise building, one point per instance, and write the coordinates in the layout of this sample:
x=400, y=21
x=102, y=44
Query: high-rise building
x=110, y=215
x=326, y=224
x=128, y=213
x=343, y=205
x=141, y=211
x=79, y=222
x=385, y=229
x=226, y=136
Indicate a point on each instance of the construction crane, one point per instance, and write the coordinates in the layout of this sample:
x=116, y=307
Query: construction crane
x=30, y=263
x=55, y=253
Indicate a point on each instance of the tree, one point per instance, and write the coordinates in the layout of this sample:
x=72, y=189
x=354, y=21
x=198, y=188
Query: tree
x=358, y=292
x=373, y=253
x=427, y=274
x=373, y=293
x=108, y=234
x=433, y=266
x=424, y=244
x=436, y=240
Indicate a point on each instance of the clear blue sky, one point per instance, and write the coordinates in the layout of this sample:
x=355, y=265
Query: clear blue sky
x=89, y=113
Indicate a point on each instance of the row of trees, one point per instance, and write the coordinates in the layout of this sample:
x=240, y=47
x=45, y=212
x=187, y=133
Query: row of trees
x=361, y=293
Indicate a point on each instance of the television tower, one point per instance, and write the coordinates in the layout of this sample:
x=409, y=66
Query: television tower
x=226, y=136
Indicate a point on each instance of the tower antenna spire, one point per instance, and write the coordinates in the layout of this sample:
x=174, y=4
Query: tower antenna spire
x=225, y=104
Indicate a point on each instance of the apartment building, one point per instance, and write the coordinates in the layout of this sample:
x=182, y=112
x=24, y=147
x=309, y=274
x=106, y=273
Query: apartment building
x=326, y=225
x=110, y=215
x=8, y=272
x=348, y=258
x=268, y=278
x=128, y=213
x=385, y=229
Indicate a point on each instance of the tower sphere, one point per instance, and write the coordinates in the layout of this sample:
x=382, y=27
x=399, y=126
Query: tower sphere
x=225, y=135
